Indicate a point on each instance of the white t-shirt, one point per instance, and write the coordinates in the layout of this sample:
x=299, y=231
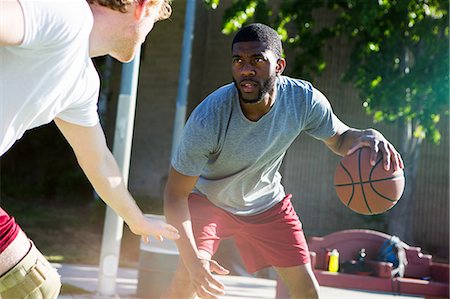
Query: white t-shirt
x=51, y=74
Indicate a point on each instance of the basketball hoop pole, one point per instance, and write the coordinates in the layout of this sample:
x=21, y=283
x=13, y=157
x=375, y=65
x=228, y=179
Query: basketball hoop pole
x=113, y=226
x=183, y=81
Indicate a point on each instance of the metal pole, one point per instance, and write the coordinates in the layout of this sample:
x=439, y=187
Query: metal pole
x=113, y=226
x=183, y=83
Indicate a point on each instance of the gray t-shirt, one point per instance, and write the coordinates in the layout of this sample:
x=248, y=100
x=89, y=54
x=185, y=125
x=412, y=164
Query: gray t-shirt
x=237, y=160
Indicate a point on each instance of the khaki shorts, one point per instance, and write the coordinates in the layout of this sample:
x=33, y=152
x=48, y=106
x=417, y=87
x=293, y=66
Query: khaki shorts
x=32, y=278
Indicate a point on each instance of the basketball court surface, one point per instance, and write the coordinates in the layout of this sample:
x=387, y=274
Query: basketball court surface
x=86, y=277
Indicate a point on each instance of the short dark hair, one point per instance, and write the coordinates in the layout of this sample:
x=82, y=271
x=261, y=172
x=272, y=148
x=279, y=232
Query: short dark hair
x=261, y=33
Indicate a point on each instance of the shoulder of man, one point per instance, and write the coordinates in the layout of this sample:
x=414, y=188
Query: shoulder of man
x=286, y=81
x=215, y=104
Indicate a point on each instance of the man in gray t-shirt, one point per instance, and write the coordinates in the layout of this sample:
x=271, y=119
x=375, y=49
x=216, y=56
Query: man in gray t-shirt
x=225, y=181
x=236, y=159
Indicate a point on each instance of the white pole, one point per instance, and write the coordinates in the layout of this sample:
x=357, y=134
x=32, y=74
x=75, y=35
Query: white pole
x=113, y=226
x=183, y=81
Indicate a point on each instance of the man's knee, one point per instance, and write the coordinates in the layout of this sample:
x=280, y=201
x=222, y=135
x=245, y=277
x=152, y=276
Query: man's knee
x=300, y=282
x=32, y=278
x=308, y=292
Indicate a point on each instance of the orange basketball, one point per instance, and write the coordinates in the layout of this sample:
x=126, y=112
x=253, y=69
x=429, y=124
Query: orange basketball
x=364, y=188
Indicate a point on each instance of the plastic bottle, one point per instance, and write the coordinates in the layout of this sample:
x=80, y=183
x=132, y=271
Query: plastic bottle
x=327, y=258
x=362, y=256
x=333, y=265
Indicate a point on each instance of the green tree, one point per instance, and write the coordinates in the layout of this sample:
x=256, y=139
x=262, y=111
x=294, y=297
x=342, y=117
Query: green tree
x=399, y=62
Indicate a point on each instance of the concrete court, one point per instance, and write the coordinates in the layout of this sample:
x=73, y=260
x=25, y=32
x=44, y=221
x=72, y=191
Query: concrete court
x=86, y=277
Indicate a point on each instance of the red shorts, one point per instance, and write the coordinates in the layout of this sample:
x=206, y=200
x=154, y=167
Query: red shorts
x=272, y=238
x=8, y=230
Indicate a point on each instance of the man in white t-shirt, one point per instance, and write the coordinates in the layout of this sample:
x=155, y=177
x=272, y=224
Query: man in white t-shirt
x=46, y=74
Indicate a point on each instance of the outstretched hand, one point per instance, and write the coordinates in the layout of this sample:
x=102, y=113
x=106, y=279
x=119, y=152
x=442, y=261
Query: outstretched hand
x=378, y=143
x=156, y=228
x=204, y=283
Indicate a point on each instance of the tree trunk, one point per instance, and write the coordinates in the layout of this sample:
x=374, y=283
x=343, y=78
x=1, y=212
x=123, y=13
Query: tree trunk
x=400, y=217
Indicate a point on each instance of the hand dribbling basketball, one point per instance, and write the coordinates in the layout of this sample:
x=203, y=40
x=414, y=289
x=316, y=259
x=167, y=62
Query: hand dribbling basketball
x=365, y=188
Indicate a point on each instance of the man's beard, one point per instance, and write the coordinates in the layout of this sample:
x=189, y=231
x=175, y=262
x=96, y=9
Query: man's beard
x=265, y=89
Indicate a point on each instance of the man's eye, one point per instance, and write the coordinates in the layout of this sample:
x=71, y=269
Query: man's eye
x=236, y=60
x=259, y=60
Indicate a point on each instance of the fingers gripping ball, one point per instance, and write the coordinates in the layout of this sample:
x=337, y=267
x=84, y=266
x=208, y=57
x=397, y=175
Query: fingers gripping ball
x=367, y=189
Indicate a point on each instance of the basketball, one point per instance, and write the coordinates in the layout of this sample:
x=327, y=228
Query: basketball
x=367, y=189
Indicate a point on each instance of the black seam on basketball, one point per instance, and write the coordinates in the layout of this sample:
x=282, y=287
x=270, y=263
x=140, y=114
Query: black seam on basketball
x=360, y=179
x=369, y=182
x=353, y=185
x=373, y=188
x=387, y=198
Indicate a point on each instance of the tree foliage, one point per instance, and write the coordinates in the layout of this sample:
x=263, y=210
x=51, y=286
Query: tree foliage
x=400, y=50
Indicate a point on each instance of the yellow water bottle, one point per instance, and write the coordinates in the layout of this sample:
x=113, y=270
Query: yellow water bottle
x=333, y=264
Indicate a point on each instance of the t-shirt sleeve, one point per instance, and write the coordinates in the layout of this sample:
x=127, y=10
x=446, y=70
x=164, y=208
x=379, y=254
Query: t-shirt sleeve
x=84, y=111
x=47, y=23
x=321, y=122
x=82, y=114
x=193, y=150
x=56, y=32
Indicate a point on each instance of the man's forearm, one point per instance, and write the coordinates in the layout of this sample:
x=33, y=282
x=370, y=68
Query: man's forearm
x=177, y=214
x=109, y=184
x=347, y=139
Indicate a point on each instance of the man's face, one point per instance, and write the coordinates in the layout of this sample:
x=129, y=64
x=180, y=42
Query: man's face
x=135, y=32
x=254, y=70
